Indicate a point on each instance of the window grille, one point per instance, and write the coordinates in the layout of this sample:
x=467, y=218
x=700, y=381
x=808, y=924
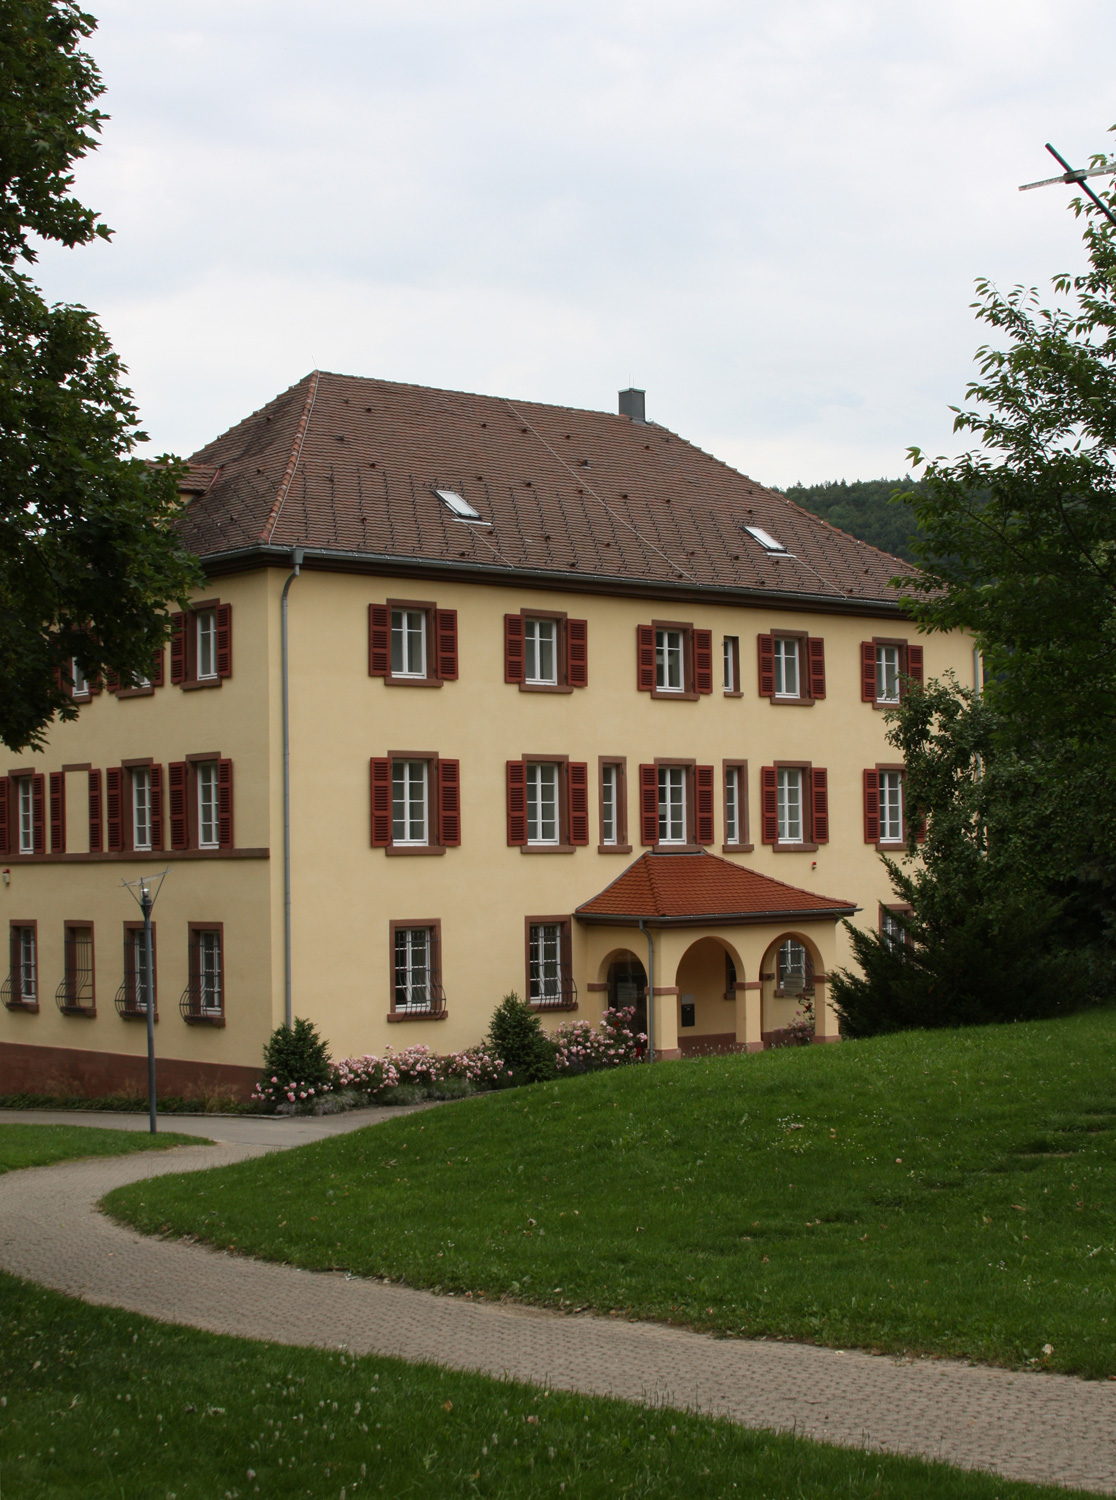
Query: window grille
x=20, y=991
x=408, y=643
x=672, y=805
x=203, y=999
x=670, y=671
x=417, y=990
x=790, y=805
x=540, y=645
x=410, y=798
x=551, y=985
x=887, y=674
x=131, y=997
x=794, y=969
x=892, y=932
x=75, y=995
x=786, y=667
x=891, y=807
x=542, y=803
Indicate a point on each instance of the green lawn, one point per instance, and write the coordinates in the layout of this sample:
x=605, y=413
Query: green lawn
x=39, y=1145
x=938, y=1192
x=99, y=1405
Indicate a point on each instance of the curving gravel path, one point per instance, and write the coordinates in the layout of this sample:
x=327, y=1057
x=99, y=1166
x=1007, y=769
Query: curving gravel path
x=1038, y=1427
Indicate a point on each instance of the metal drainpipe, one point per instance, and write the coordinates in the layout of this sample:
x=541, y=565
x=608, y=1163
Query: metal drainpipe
x=650, y=991
x=296, y=562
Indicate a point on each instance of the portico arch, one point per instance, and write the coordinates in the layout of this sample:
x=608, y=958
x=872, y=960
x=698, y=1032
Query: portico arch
x=792, y=984
x=706, y=980
x=622, y=977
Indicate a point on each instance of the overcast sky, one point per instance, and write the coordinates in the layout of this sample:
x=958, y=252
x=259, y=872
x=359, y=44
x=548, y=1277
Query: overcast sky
x=769, y=215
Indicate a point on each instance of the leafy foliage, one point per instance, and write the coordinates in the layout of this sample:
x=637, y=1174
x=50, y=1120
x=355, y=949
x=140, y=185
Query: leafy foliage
x=877, y=511
x=297, y=1056
x=515, y=1034
x=89, y=555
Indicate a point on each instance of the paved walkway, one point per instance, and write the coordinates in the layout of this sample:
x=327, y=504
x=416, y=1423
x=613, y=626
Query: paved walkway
x=1047, y=1428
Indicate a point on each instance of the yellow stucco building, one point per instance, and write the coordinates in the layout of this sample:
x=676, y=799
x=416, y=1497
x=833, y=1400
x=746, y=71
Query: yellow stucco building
x=565, y=704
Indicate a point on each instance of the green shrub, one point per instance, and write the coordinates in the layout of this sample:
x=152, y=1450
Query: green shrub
x=296, y=1055
x=516, y=1035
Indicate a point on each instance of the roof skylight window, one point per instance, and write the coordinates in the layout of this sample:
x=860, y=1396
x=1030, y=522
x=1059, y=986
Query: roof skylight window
x=765, y=539
x=459, y=506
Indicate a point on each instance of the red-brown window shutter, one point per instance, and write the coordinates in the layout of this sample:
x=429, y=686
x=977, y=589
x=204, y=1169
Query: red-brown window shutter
x=769, y=802
x=156, y=807
x=703, y=664
x=445, y=631
x=5, y=795
x=648, y=804
x=577, y=653
x=114, y=808
x=703, y=779
x=868, y=671
x=112, y=681
x=449, y=803
x=178, y=647
x=155, y=676
x=517, y=797
x=381, y=801
x=914, y=664
x=815, y=656
x=379, y=640
x=96, y=813
x=178, y=781
x=38, y=812
x=224, y=640
x=58, y=812
x=578, y=772
x=871, y=807
x=224, y=804
x=645, y=671
x=819, y=805
x=513, y=654
x=767, y=666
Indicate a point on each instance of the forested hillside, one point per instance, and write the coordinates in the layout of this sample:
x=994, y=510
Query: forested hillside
x=864, y=509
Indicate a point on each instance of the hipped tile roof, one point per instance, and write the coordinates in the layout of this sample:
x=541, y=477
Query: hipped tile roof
x=665, y=888
x=346, y=465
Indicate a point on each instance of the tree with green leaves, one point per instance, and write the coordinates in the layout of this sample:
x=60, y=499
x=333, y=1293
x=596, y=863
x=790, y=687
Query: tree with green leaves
x=89, y=554
x=1017, y=545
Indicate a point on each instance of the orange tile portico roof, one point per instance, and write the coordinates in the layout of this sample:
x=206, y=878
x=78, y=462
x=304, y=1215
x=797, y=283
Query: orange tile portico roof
x=347, y=468
x=692, y=889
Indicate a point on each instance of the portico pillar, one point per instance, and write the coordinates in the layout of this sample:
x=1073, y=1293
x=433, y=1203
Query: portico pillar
x=749, y=1016
x=827, y=1028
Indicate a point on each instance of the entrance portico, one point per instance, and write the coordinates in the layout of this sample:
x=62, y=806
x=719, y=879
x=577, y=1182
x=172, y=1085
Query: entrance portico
x=732, y=956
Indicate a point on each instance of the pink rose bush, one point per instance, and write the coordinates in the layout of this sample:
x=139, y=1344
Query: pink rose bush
x=271, y=1092
x=583, y=1048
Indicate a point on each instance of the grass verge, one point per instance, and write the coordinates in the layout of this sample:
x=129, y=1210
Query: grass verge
x=39, y=1145
x=947, y=1192
x=99, y=1403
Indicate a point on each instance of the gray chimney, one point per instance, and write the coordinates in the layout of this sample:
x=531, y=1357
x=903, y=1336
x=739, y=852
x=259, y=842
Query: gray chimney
x=632, y=405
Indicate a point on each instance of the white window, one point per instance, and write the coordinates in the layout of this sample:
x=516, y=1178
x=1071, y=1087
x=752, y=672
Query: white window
x=790, y=805
x=610, y=786
x=413, y=978
x=546, y=962
x=732, y=805
x=891, y=929
x=670, y=667
x=408, y=643
x=26, y=816
x=891, y=807
x=210, y=998
x=207, y=643
x=786, y=667
x=207, y=805
x=79, y=680
x=410, y=787
x=672, y=805
x=794, y=970
x=542, y=802
x=141, y=808
x=26, y=958
x=887, y=674
x=731, y=651
x=540, y=644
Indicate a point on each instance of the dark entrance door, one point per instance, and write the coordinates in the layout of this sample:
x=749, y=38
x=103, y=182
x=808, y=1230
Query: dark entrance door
x=627, y=986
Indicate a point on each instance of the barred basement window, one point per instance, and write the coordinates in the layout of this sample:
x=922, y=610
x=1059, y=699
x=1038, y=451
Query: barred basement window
x=203, y=999
x=75, y=995
x=416, y=984
x=131, y=997
x=20, y=990
x=550, y=983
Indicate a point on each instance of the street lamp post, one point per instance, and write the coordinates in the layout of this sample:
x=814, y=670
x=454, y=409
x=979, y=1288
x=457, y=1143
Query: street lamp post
x=145, y=896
